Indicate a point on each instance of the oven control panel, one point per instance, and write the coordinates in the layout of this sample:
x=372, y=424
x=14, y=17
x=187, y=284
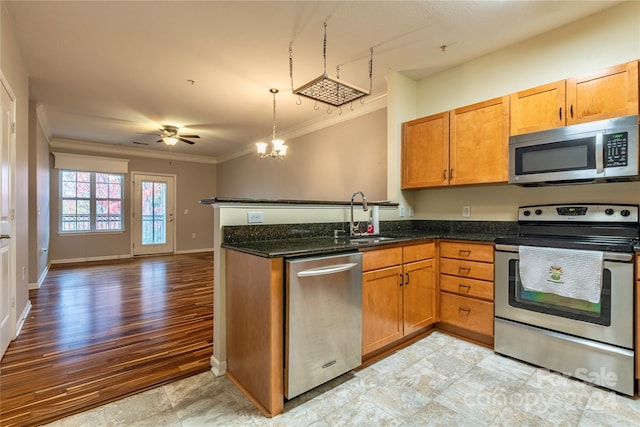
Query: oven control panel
x=587, y=212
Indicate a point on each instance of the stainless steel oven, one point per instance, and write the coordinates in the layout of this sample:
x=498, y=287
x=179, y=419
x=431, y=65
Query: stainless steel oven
x=591, y=340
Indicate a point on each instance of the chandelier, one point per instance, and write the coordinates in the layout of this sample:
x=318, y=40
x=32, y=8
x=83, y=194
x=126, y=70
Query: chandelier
x=326, y=89
x=278, y=149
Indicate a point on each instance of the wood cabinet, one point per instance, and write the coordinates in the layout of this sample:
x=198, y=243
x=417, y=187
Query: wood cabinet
x=255, y=331
x=398, y=293
x=468, y=145
x=425, y=152
x=605, y=94
x=466, y=288
x=479, y=143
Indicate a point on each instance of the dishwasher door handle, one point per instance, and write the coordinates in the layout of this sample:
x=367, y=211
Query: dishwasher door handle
x=332, y=269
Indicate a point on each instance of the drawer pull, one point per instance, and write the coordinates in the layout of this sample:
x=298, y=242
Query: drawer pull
x=464, y=270
x=464, y=310
x=464, y=252
x=463, y=286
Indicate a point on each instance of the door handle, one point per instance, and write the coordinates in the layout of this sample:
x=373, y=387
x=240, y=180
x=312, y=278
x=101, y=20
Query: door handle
x=4, y=236
x=599, y=152
x=321, y=271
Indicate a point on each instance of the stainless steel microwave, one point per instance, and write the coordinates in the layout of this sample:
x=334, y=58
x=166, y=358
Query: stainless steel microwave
x=602, y=151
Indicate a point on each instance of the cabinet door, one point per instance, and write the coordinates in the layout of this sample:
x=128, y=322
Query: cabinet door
x=538, y=108
x=419, y=295
x=381, y=308
x=608, y=93
x=479, y=143
x=425, y=152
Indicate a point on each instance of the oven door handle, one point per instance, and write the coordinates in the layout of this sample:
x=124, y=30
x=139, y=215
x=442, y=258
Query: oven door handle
x=607, y=256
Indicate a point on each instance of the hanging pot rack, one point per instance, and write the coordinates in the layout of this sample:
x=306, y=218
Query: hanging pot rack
x=328, y=90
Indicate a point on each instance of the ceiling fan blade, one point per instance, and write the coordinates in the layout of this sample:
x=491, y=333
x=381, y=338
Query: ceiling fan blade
x=186, y=140
x=189, y=136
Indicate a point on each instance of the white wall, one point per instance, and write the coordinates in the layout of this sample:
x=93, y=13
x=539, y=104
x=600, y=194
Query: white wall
x=609, y=38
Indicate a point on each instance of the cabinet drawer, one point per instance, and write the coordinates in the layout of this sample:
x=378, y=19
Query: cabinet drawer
x=467, y=251
x=418, y=252
x=467, y=313
x=381, y=258
x=470, y=269
x=467, y=287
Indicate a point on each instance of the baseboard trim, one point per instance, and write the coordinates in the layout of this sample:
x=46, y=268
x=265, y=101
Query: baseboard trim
x=218, y=368
x=38, y=284
x=89, y=259
x=193, y=251
x=23, y=318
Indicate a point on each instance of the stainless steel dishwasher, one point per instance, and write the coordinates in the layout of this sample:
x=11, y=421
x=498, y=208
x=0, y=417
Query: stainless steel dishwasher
x=323, y=332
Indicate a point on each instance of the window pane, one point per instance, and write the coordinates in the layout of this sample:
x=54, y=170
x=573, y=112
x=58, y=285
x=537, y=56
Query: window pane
x=154, y=199
x=91, y=201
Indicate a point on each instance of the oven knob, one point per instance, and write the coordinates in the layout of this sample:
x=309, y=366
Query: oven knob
x=608, y=211
x=526, y=213
x=538, y=211
x=625, y=212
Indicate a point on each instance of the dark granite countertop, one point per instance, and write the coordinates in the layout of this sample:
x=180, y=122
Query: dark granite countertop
x=247, y=201
x=325, y=245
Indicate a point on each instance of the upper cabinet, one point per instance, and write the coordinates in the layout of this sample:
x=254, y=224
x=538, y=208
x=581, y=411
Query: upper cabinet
x=608, y=93
x=425, y=151
x=479, y=143
x=468, y=145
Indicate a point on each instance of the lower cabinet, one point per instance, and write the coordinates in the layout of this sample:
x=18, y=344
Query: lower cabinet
x=398, y=293
x=466, y=289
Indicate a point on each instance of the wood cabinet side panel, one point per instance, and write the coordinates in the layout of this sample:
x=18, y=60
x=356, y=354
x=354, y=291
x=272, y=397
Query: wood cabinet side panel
x=255, y=342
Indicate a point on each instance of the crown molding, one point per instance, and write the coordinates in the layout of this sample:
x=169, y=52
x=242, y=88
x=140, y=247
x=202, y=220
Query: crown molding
x=337, y=115
x=100, y=148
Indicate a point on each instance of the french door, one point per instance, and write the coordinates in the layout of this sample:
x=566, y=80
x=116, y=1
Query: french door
x=153, y=214
x=7, y=229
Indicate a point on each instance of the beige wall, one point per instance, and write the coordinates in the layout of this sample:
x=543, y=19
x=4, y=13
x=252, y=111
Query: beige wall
x=194, y=181
x=14, y=72
x=608, y=38
x=329, y=164
x=38, y=199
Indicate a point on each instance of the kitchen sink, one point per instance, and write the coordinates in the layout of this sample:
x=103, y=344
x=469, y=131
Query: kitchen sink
x=369, y=240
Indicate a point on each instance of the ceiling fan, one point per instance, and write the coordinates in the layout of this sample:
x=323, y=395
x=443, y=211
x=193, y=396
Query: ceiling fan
x=170, y=136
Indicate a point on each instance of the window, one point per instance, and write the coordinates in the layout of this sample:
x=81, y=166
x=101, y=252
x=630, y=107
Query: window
x=90, y=201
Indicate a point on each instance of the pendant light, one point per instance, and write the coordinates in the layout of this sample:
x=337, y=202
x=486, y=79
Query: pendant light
x=278, y=149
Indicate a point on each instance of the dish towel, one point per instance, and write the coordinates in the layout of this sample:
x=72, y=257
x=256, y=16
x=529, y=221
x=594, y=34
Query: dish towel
x=566, y=272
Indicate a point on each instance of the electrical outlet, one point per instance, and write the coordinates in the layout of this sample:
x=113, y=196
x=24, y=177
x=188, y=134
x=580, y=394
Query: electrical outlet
x=254, y=217
x=193, y=235
x=466, y=211
x=401, y=213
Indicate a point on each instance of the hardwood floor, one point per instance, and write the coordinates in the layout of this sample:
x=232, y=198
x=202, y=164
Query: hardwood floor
x=101, y=331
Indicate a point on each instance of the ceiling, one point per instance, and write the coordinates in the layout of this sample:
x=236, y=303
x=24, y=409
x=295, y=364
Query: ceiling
x=114, y=71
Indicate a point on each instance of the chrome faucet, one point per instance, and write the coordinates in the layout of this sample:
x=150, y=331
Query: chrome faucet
x=364, y=208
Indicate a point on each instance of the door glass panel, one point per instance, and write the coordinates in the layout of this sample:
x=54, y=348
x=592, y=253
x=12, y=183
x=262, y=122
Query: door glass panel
x=154, y=213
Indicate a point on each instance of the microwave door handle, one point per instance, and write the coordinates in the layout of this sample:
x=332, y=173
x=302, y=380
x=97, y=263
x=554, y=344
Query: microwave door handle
x=599, y=153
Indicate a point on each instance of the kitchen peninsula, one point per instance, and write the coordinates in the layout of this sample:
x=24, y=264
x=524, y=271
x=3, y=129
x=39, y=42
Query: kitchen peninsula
x=250, y=274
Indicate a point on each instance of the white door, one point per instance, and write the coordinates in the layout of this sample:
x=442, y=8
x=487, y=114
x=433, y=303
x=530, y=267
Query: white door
x=7, y=282
x=153, y=214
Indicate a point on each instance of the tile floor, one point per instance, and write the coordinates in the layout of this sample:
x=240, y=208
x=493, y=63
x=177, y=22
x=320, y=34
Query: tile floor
x=438, y=381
